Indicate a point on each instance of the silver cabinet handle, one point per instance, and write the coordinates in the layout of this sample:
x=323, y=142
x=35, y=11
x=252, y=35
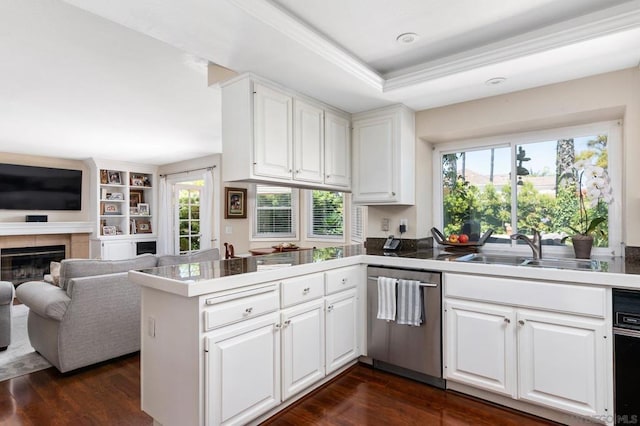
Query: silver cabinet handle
x=521, y=322
x=393, y=193
x=306, y=290
x=277, y=326
x=248, y=311
x=329, y=308
x=507, y=320
x=286, y=323
x=344, y=281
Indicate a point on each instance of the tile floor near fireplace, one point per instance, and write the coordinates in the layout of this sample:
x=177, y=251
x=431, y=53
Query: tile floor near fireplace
x=23, y=264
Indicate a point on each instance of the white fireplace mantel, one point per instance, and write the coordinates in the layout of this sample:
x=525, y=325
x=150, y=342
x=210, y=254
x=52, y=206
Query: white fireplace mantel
x=39, y=228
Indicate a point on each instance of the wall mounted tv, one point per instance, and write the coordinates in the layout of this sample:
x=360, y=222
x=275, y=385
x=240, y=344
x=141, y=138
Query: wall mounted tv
x=39, y=188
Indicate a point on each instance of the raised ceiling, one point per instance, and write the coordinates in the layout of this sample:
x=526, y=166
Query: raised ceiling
x=75, y=69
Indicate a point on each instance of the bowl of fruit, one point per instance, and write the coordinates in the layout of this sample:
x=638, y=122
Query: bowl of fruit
x=459, y=241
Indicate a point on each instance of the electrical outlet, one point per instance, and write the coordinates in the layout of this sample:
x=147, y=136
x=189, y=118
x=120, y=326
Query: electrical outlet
x=228, y=230
x=385, y=224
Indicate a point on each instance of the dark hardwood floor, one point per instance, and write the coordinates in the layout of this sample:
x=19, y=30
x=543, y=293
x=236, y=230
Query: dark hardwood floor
x=109, y=394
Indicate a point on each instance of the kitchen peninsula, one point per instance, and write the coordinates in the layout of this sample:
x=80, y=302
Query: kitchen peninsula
x=221, y=340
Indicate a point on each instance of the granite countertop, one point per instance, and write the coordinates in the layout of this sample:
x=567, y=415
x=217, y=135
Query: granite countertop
x=278, y=261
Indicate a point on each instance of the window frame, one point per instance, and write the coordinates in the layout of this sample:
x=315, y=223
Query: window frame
x=309, y=218
x=253, y=201
x=613, y=129
x=186, y=185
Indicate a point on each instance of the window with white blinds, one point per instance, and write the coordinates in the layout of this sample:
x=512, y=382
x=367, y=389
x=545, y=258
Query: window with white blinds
x=357, y=223
x=326, y=214
x=276, y=209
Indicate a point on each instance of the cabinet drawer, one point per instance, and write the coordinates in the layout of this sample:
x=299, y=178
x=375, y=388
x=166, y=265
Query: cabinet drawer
x=240, y=309
x=302, y=289
x=342, y=278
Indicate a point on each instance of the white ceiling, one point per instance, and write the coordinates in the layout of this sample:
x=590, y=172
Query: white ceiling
x=120, y=80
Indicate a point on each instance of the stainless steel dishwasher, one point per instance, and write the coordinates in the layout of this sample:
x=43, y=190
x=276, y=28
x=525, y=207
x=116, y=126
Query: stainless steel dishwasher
x=414, y=352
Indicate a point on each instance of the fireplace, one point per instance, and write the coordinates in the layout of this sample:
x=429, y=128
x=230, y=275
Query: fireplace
x=21, y=264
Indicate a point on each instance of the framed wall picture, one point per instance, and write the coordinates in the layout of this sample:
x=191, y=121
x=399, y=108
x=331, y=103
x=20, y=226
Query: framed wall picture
x=104, y=176
x=236, y=203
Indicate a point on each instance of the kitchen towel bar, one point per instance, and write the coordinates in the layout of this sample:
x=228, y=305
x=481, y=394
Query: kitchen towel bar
x=421, y=284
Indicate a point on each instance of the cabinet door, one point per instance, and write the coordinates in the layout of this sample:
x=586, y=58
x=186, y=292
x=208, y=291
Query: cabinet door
x=342, y=329
x=561, y=361
x=337, y=150
x=308, y=142
x=375, y=177
x=242, y=371
x=479, y=346
x=118, y=250
x=302, y=347
x=272, y=133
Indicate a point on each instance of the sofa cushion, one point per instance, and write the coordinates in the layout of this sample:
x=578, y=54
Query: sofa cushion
x=75, y=268
x=202, y=256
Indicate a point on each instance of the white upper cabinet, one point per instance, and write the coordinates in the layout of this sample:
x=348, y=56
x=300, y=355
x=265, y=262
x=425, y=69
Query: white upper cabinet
x=384, y=156
x=337, y=150
x=272, y=135
x=272, y=121
x=308, y=141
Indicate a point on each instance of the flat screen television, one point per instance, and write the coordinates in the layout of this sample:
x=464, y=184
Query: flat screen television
x=39, y=188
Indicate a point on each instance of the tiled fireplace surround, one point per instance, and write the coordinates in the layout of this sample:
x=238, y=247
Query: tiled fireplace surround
x=74, y=236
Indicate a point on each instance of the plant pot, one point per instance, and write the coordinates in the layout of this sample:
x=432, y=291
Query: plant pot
x=582, y=246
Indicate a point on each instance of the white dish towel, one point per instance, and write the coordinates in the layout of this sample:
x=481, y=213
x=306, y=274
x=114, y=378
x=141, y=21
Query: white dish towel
x=387, y=298
x=410, y=310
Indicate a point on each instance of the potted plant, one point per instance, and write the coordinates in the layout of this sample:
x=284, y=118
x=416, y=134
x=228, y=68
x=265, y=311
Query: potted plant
x=593, y=186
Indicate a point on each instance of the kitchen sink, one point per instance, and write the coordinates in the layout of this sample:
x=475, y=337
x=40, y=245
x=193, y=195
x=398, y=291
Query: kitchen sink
x=573, y=264
x=492, y=258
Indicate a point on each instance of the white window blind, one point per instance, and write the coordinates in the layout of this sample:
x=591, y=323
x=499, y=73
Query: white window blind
x=326, y=214
x=275, y=212
x=357, y=223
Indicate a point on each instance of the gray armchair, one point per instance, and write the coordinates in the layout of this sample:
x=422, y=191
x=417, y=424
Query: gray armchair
x=7, y=292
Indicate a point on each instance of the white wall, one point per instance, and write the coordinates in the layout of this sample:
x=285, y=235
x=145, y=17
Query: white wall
x=604, y=97
x=54, y=215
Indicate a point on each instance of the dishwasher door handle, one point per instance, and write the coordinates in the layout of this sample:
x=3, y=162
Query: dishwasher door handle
x=421, y=284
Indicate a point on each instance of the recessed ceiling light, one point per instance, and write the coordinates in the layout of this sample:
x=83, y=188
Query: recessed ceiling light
x=407, y=38
x=495, y=81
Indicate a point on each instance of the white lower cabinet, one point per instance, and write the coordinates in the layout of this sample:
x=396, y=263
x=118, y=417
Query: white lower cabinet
x=342, y=329
x=118, y=249
x=481, y=344
x=561, y=361
x=546, y=358
x=302, y=346
x=242, y=371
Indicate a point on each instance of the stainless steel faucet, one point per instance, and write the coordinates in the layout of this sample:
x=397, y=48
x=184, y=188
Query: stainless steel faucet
x=535, y=244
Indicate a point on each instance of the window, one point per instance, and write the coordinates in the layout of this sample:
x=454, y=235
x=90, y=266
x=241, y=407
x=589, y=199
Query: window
x=519, y=183
x=189, y=195
x=275, y=212
x=326, y=214
x=358, y=219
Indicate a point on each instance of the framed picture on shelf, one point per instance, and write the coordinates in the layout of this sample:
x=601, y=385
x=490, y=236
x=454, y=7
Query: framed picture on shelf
x=109, y=230
x=137, y=179
x=115, y=178
x=133, y=211
x=236, y=203
x=136, y=196
x=143, y=226
x=115, y=196
x=143, y=209
x=104, y=176
x=110, y=208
